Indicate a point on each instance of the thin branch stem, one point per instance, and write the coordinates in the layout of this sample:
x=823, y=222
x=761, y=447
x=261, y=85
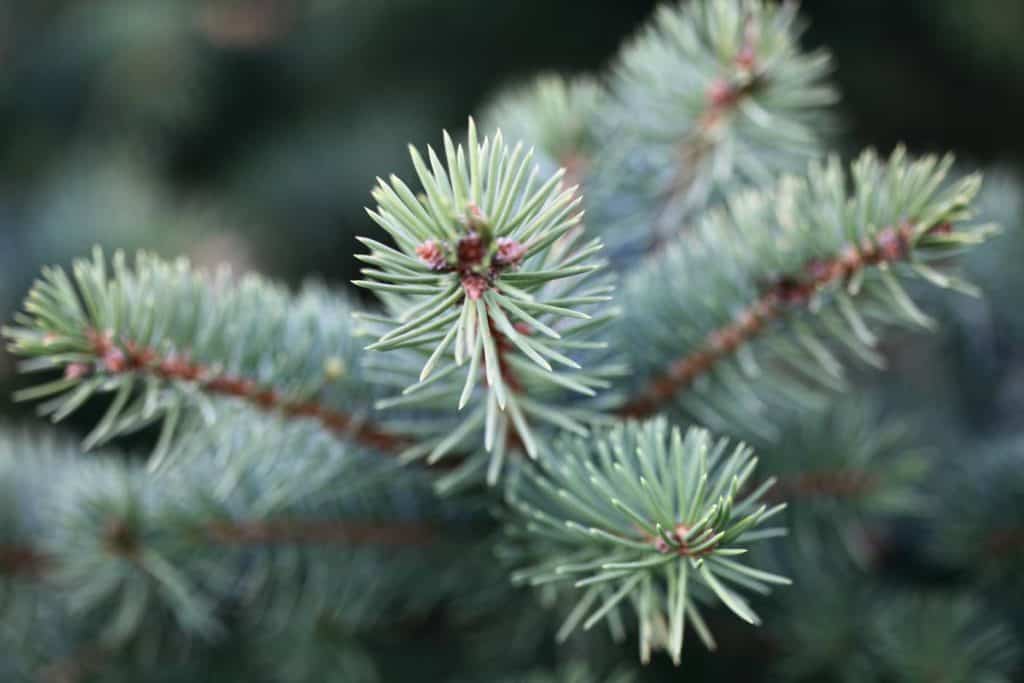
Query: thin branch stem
x=788, y=293
x=326, y=531
x=22, y=561
x=137, y=359
x=831, y=484
x=28, y=562
x=723, y=97
x=1001, y=544
x=76, y=667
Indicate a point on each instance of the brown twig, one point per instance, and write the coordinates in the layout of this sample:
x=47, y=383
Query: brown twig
x=1005, y=542
x=74, y=667
x=22, y=561
x=121, y=540
x=504, y=347
x=127, y=356
x=325, y=531
x=722, y=98
x=843, y=483
x=786, y=293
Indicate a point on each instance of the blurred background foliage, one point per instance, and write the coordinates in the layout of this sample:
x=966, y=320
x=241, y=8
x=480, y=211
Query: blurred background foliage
x=250, y=131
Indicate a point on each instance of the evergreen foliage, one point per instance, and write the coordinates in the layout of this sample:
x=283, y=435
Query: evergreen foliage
x=743, y=102
x=815, y=262
x=250, y=340
x=486, y=265
x=647, y=514
x=510, y=442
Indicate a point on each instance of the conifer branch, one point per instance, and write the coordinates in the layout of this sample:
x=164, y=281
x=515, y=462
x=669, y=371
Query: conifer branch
x=22, y=561
x=234, y=518
x=642, y=516
x=490, y=273
x=847, y=473
x=982, y=525
x=27, y=562
x=816, y=260
x=260, y=503
x=1005, y=543
x=743, y=103
x=76, y=666
x=832, y=484
x=320, y=532
x=790, y=292
x=164, y=339
x=556, y=114
x=127, y=357
x=925, y=634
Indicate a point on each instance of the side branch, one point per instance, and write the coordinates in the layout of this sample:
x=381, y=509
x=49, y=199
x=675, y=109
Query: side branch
x=1002, y=544
x=133, y=358
x=830, y=484
x=22, y=561
x=788, y=292
x=327, y=531
x=76, y=667
x=25, y=561
x=723, y=97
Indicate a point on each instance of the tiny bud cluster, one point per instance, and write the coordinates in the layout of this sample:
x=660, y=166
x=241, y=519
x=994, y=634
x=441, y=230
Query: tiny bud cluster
x=477, y=262
x=679, y=545
x=432, y=255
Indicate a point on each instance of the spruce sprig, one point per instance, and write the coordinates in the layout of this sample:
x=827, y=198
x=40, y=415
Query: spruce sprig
x=558, y=114
x=709, y=97
x=644, y=516
x=167, y=341
x=809, y=272
x=236, y=519
x=490, y=271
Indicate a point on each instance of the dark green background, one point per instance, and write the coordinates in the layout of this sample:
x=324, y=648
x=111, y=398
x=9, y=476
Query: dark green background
x=251, y=131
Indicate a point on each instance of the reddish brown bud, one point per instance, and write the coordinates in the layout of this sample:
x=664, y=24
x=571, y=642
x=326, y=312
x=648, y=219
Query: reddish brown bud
x=747, y=58
x=721, y=94
x=101, y=341
x=868, y=250
x=890, y=245
x=431, y=254
x=114, y=360
x=120, y=538
x=475, y=218
x=725, y=340
x=266, y=398
x=749, y=322
x=510, y=252
x=475, y=285
x=170, y=366
x=471, y=249
x=140, y=356
x=789, y=290
x=850, y=259
x=76, y=371
x=765, y=308
x=819, y=270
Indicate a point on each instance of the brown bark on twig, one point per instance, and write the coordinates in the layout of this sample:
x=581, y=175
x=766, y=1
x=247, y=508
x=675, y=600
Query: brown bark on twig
x=787, y=293
x=130, y=357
